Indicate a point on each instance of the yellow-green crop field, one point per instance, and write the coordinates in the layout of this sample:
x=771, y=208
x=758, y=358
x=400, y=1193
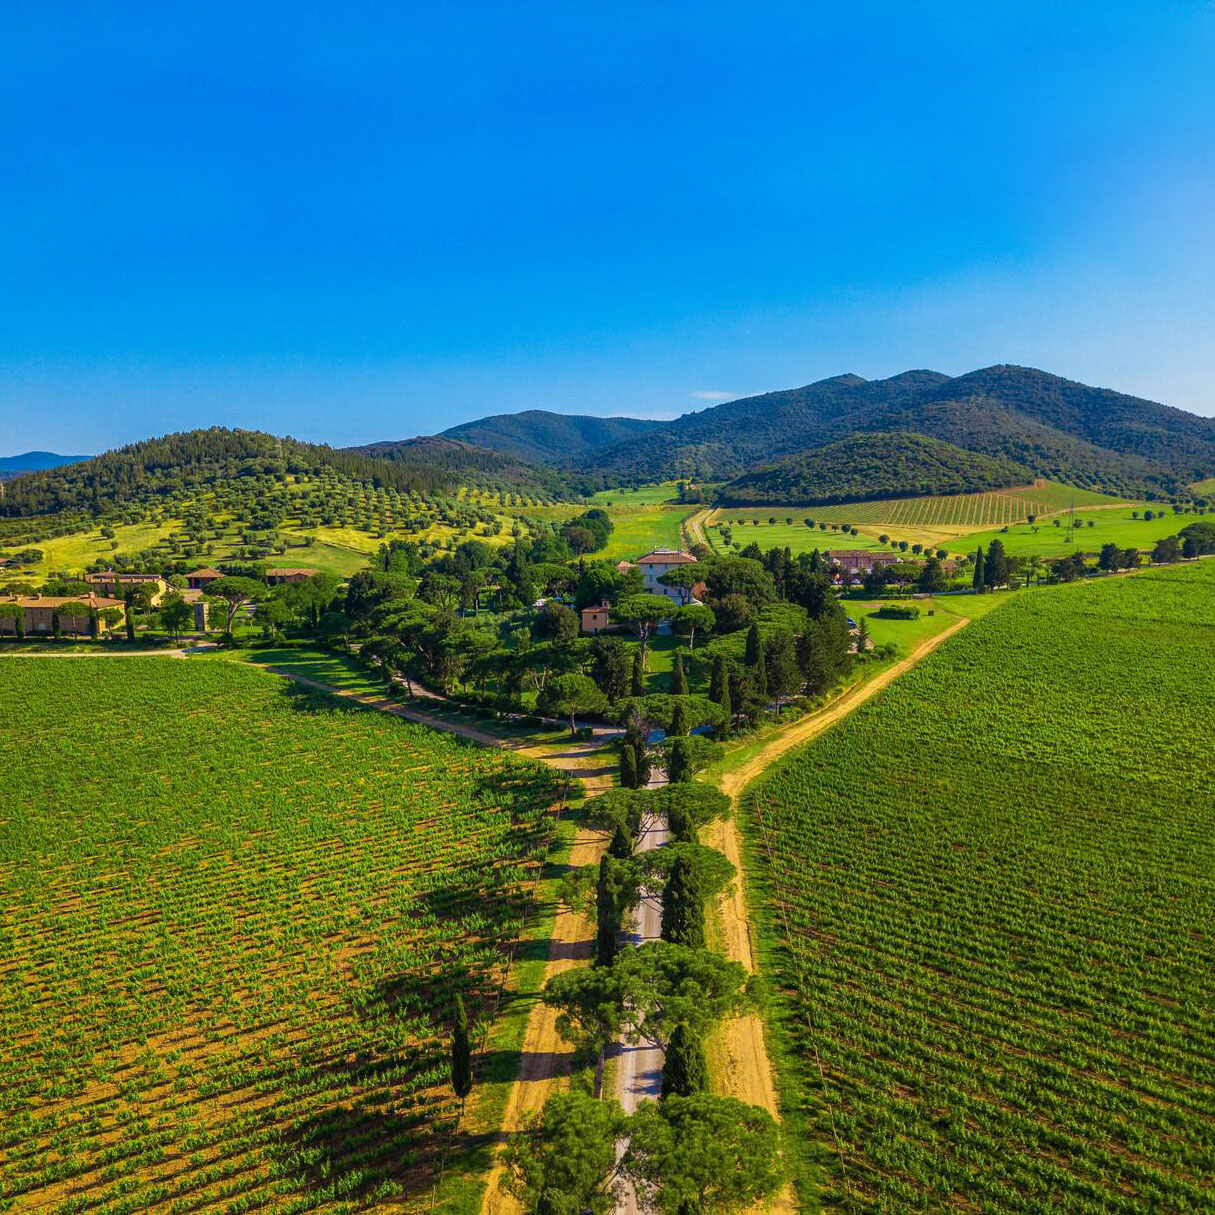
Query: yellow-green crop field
x=989, y=900
x=234, y=918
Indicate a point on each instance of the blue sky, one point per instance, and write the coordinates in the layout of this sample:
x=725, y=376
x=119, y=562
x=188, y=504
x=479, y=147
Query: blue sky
x=357, y=222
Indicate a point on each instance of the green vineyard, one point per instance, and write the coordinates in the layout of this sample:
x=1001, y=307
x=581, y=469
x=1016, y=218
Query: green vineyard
x=952, y=511
x=235, y=916
x=990, y=897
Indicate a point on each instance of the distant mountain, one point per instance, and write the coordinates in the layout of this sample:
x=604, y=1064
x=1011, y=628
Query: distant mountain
x=34, y=461
x=870, y=466
x=1058, y=428
x=537, y=435
x=465, y=461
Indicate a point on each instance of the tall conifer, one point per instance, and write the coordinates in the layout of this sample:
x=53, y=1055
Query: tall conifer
x=679, y=680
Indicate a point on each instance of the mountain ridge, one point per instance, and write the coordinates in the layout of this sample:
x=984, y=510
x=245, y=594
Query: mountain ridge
x=1058, y=428
x=542, y=435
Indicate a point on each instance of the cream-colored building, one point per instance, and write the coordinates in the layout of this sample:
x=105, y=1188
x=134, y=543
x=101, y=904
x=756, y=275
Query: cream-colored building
x=40, y=611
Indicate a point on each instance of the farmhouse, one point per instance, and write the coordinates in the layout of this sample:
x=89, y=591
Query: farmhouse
x=199, y=580
x=662, y=561
x=595, y=619
x=112, y=583
x=277, y=577
x=39, y=613
x=859, y=560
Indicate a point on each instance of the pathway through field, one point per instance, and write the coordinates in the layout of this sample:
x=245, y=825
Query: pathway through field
x=738, y=1057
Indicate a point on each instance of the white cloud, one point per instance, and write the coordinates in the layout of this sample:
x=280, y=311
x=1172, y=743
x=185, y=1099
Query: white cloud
x=710, y=395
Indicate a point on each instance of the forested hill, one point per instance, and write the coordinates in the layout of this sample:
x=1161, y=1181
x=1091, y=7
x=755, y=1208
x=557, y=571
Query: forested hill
x=157, y=468
x=462, y=463
x=873, y=466
x=1058, y=428
x=553, y=438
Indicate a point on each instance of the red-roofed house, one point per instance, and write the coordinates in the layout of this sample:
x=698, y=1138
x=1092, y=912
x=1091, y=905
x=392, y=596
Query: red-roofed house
x=199, y=580
x=860, y=560
x=277, y=577
x=595, y=619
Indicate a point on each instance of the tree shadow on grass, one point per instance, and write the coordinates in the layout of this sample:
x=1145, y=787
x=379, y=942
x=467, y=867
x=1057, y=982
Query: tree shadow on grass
x=368, y=1151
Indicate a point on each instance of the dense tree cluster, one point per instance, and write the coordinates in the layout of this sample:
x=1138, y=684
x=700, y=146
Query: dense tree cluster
x=873, y=466
x=172, y=466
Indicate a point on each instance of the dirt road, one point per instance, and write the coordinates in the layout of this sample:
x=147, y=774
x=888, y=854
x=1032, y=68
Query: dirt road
x=738, y=1057
x=546, y=1056
x=694, y=526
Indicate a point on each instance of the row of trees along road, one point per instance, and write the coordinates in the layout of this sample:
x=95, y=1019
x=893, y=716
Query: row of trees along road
x=690, y=1152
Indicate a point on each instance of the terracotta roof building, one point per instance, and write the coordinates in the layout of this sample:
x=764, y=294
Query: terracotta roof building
x=115, y=584
x=276, y=577
x=199, y=580
x=860, y=560
x=39, y=613
x=661, y=561
x=595, y=619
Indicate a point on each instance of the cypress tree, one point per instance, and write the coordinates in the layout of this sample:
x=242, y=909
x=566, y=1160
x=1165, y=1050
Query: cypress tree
x=995, y=568
x=755, y=651
x=680, y=825
x=757, y=676
x=719, y=692
x=727, y=708
x=461, y=1053
x=628, y=766
x=684, y=1072
x=679, y=720
x=606, y=917
x=643, y=764
x=683, y=907
x=679, y=762
x=977, y=580
x=621, y=846
x=637, y=687
x=679, y=680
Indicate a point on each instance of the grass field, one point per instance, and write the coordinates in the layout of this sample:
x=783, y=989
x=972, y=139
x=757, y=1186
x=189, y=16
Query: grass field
x=638, y=530
x=1108, y=527
x=795, y=536
x=644, y=495
x=234, y=918
x=1205, y=488
x=988, y=905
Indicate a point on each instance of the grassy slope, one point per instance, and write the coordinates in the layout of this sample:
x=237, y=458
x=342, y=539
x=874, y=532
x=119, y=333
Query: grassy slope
x=644, y=495
x=1109, y=527
x=238, y=887
x=639, y=530
x=1001, y=968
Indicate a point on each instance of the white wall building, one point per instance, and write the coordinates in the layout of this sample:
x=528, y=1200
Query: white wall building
x=661, y=561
